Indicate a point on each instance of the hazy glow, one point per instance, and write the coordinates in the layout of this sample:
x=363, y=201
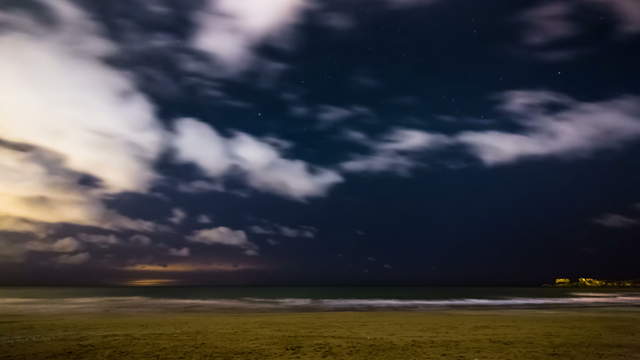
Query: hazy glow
x=151, y=282
x=185, y=267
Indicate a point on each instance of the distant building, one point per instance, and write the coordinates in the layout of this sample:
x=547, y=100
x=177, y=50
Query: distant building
x=591, y=282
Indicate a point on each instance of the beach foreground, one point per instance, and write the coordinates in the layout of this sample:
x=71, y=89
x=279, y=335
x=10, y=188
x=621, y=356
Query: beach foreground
x=603, y=333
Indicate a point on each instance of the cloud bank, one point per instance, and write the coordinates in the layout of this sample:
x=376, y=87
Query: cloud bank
x=75, y=131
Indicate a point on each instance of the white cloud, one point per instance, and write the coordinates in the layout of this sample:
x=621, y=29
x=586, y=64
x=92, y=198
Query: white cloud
x=552, y=125
x=394, y=152
x=67, y=100
x=184, y=252
x=66, y=114
x=199, y=143
x=260, y=162
x=75, y=131
x=230, y=30
x=74, y=259
x=177, y=216
x=574, y=128
x=224, y=236
x=204, y=219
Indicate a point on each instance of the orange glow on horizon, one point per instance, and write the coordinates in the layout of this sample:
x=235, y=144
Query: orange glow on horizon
x=185, y=267
x=151, y=282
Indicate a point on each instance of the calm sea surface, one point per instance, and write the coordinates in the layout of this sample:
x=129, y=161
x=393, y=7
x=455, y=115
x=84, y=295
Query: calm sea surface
x=52, y=299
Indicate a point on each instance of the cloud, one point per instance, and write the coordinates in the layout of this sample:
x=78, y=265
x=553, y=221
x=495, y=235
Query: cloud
x=337, y=21
x=204, y=219
x=102, y=241
x=74, y=259
x=140, y=240
x=627, y=12
x=394, y=152
x=615, y=221
x=199, y=143
x=329, y=115
x=177, y=216
x=200, y=186
x=231, y=30
x=224, y=236
x=65, y=245
x=302, y=232
x=551, y=125
x=556, y=125
x=549, y=22
x=12, y=251
x=66, y=118
x=261, y=230
x=13, y=224
x=286, y=231
x=261, y=163
x=75, y=131
x=15, y=250
x=550, y=26
x=184, y=252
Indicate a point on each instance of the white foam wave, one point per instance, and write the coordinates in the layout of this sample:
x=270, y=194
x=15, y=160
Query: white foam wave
x=139, y=303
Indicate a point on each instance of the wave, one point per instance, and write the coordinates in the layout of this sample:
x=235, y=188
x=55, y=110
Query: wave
x=139, y=303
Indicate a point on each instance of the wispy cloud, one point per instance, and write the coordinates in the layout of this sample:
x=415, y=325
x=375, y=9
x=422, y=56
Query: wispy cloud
x=177, y=216
x=230, y=30
x=551, y=26
x=394, y=152
x=556, y=125
x=261, y=163
x=224, y=236
x=74, y=259
x=285, y=231
x=615, y=221
x=182, y=252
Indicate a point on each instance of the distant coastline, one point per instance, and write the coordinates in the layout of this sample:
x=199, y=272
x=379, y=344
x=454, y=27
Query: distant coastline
x=584, y=282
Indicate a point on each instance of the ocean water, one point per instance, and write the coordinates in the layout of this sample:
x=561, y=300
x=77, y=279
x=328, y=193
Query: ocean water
x=107, y=299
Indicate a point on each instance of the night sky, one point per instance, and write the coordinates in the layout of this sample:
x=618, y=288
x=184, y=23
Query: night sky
x=319, y=142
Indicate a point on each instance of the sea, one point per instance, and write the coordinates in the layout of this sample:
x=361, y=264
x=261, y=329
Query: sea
x=342, y=298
